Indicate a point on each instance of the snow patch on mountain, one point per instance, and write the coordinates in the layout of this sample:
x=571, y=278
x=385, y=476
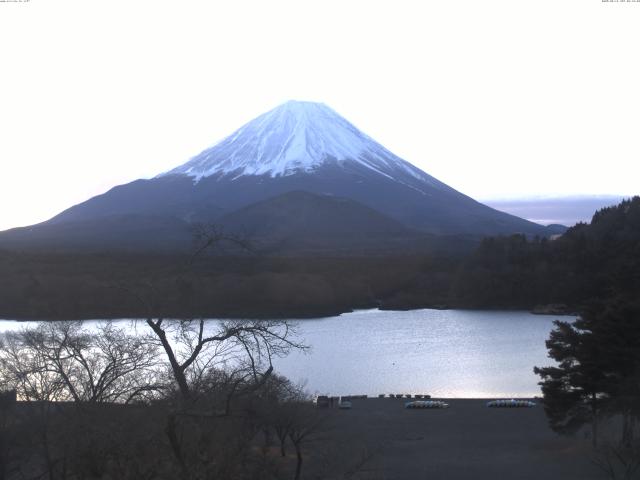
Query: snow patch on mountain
x=297, y=137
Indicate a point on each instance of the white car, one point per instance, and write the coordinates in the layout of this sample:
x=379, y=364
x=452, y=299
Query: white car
x=426, y=404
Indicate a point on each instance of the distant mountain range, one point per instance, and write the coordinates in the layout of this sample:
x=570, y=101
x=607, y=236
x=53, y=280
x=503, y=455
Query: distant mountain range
x=297, y=178
x=567, y=210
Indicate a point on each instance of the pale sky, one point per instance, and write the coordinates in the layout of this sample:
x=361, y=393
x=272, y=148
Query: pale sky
x=498, y=99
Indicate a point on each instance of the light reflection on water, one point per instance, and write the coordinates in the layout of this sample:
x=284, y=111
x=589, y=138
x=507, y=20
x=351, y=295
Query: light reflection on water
x=444, y=353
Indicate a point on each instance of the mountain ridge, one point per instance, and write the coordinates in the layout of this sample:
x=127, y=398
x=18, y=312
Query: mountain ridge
x=298, y=146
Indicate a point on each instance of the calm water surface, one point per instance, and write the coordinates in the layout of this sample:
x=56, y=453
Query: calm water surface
x=445, y=353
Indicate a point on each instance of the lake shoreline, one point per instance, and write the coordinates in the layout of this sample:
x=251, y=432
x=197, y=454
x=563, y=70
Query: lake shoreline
x=561, y=310
x=442, y=353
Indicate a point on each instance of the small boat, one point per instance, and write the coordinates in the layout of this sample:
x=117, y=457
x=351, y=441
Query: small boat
x=511, y=403
x=426, y=404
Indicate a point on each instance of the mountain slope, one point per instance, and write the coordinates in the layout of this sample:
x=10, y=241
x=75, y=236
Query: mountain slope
x=296, y=147
x=301, y=221
x=125, y=232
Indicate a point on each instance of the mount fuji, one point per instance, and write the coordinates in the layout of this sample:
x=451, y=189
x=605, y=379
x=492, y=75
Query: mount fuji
x=298, y=176
x=298, y=137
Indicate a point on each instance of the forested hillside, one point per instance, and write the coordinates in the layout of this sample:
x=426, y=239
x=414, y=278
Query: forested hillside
x=595, y=260
x=589, y=261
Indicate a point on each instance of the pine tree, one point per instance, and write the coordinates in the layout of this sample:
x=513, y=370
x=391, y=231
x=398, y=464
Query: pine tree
x=575, y=392
x=598, y=370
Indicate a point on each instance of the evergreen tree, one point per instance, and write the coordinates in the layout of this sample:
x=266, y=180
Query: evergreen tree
x=598, y=370
x=575, y=392
x=617, y=327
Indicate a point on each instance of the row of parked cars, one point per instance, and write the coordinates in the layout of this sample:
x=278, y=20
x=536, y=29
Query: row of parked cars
x=345, y=402
x=405, y=395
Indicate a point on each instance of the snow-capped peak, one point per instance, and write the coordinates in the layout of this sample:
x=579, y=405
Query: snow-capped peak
x=295, y=137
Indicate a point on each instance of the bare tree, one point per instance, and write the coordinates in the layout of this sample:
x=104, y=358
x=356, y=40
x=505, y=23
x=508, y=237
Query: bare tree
x=24, y=370
x=209, y=361
x=619, y=461
x=196, y=347
x=7, y=427
x=280, y=394
x=207, y=237
x=305, y=423
x=64, y=361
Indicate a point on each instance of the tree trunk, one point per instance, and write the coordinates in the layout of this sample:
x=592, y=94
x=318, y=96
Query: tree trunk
x=299, y=462
x=627, y=429
x=174, y=442
x=178, y=371
x=44, y=437
x=268, y=441
x=594, y=421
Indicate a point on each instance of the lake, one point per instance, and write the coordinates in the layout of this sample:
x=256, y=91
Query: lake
x=444, y=353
